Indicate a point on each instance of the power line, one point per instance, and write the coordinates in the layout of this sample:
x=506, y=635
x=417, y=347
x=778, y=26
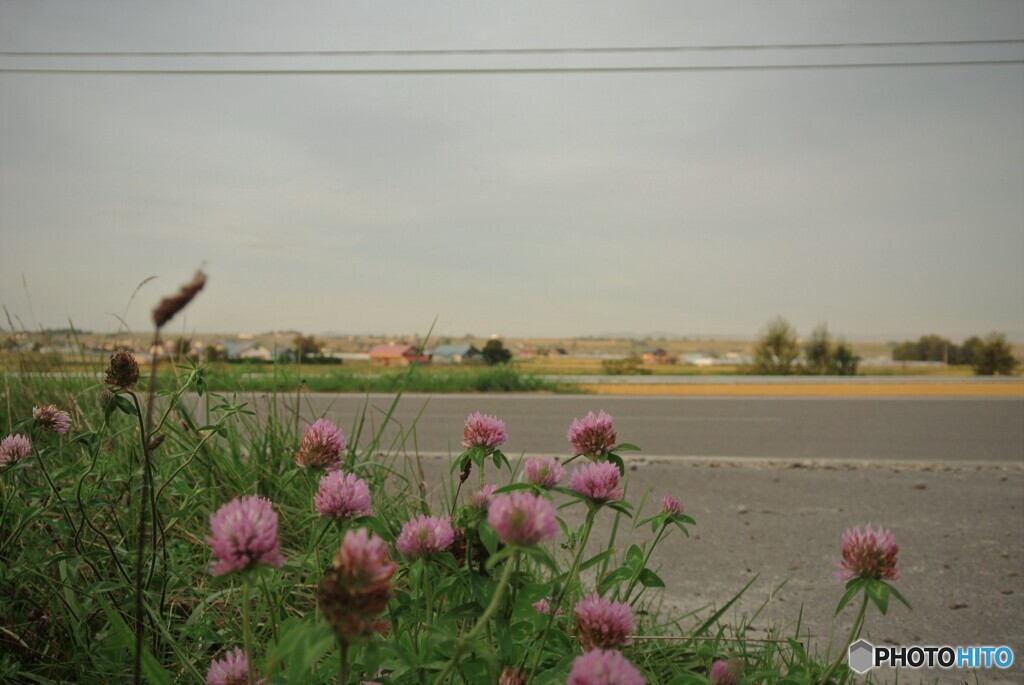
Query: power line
x=503, y=70
x=505, y=51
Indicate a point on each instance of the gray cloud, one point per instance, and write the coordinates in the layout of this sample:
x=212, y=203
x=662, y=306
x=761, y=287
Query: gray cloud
x=886, y=202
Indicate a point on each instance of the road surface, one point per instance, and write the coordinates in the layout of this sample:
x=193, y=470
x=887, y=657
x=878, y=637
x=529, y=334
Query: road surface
x=976, y=430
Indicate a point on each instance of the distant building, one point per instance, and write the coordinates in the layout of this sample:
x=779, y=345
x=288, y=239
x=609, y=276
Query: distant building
x=658, y=355
x=395, y=355
x=241, y=350
x=453, y=354
x=698, y=359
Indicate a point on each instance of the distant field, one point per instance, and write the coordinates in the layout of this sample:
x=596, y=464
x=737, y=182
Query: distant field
x=361, y=376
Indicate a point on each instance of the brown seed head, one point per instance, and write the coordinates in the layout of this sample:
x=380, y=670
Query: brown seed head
x=123, y=370
x=169, y=306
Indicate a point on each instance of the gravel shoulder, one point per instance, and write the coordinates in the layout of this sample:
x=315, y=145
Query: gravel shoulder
x=960, y=528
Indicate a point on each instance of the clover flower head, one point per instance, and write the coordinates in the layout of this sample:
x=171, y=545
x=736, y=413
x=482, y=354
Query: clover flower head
x=14, y=448
x=603, y=667
x=483, y=430
x=243, y=533
x=543, y=606
x=725, y=672
x=50, y=418
x=871, y=554
x=123, y=370
x=671, y=506
x=342, y=495
x=522, y=518
x=482, y=498
x=233, y=669
x=321, y=447
x=592, y=436
x=425, y=535
x=598, y=482
x=544, y=472
x=357, y=587
x=603, y=623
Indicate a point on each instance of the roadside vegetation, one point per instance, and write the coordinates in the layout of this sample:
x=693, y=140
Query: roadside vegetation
x=144, y=540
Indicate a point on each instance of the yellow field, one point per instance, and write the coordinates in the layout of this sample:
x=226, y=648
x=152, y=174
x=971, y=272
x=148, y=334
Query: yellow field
x=898, y=389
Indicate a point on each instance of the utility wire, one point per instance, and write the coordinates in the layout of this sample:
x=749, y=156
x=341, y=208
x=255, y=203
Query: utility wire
x=503, y=70
x=503, y=51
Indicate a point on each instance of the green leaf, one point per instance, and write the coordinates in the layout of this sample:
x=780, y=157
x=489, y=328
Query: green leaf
x=634, y=558
x=542, y=557
x=300, y=645
x=460, y=462
x=897, y=595
x=879, y=594
x=649, y=578
x=512, y=487
x=621, y=574
x=617, y=460
x=622, y=507
x=499, y=459
x=656, y=518
x=498, y=557
x=125, y=405
x=852, y=588
x=625, y=447
x=488, y=537
x=596, y=559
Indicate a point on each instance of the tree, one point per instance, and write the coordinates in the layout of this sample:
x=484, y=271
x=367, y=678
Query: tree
x=494, y=352
x=968, y=352
x=818, y=351
x=994, y=356
x=777, y=349
x=307, y=346
x=844, y=362
x=183, y=348
x=928, y=348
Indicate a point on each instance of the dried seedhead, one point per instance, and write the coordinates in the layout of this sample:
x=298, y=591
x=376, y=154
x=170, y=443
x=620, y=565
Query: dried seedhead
x=123, y=370
x=169, y=306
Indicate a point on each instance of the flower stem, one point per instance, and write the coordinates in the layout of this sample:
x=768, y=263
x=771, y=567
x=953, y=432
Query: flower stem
x=247, y=632
x=484, y=620
x=147, y=475
x=342, y=661
x=636, y=576
x=588, y=525
x=428, y=592
x=858, y=623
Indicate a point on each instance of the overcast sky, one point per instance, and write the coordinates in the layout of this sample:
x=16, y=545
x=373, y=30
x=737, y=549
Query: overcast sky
x=887, y=202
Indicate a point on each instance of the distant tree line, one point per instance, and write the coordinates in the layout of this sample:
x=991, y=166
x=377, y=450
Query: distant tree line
x=989, y=357
x=935, y=348
x=779, y=353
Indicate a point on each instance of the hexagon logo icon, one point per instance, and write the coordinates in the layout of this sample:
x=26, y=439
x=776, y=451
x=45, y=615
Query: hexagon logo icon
x=861, y=657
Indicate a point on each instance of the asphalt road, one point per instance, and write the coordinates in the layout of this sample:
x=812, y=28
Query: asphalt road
x=862, y=429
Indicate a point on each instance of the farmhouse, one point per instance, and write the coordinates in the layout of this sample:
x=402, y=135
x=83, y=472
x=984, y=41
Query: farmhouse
x=454, y=354
x=658, y=355
x=248, y=349
x=395, y=355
